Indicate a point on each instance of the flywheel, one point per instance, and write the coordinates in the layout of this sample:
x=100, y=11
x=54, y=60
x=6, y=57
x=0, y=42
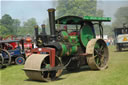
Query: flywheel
x=98, y=54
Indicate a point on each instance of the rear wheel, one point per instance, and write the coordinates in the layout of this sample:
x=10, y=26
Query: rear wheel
x=1, y=61
x=98, y=54
x=6, y=57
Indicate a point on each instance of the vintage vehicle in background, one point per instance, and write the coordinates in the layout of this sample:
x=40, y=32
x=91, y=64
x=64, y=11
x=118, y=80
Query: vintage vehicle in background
x=121, y=38
x=28, y=42
x=11, y=51
x=67, y=48
x=28, y=45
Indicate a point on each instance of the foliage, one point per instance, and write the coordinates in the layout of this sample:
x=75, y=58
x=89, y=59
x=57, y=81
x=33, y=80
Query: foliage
x=121, y=17
x=10, y=26
x=16, y=26
x=7, y=22
x=3, y=31
x=76, y=7
x=28, y=27
x=99, y=13
x=108, y=30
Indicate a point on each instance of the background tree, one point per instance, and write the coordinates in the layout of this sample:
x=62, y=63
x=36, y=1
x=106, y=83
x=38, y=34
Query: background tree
x=3, y=31
x=108, y=30
x=28, y=27
x=16, y=26
x=99, y=13
x=10, y=26
x=76, y=7
x=121, y=17
x=0, y=21
x=7, y=22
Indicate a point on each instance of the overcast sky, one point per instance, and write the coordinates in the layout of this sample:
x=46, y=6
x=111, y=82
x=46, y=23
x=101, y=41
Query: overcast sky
x=25, y=9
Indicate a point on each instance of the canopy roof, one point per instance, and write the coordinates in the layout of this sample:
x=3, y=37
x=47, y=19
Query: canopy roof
x=79, y=20
x=9, y=41
x=92, y=18
x=69, y=20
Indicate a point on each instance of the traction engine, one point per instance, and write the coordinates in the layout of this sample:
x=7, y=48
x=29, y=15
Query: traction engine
x=67, y=48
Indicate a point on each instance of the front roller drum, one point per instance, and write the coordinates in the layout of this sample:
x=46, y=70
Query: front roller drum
x=98, y=54
x=35, y=64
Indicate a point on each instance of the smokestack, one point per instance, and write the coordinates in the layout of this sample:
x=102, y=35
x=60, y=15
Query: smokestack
x=36, y=30
x=43, y=29
x=51, y=13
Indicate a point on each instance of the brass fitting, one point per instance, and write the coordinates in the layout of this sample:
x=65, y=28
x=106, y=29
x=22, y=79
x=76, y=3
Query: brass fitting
x=51, y=10
x=36, y=26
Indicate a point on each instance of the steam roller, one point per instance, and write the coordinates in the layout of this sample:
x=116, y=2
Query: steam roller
x=71, y=44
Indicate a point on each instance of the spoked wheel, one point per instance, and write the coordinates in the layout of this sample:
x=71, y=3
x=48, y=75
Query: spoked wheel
x=6, y=57
x=35, y=65
x=20, y=60
x=1, y=61
x=51, y=75
x=98, y=54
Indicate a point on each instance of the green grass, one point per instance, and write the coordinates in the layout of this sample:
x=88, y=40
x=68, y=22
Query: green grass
x=116, y=74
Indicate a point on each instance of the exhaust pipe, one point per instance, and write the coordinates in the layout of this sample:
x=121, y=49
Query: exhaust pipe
x=43, y=29
x=44, y=34
x=36, y=30
x=51, y=13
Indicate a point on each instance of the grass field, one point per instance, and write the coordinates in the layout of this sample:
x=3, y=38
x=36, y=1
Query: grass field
x=116, y=74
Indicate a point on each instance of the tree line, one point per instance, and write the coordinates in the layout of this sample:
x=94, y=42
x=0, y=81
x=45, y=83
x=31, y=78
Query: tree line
x=10, y=26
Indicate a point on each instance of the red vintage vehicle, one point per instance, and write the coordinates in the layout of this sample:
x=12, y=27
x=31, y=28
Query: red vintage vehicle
x=28, y=45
